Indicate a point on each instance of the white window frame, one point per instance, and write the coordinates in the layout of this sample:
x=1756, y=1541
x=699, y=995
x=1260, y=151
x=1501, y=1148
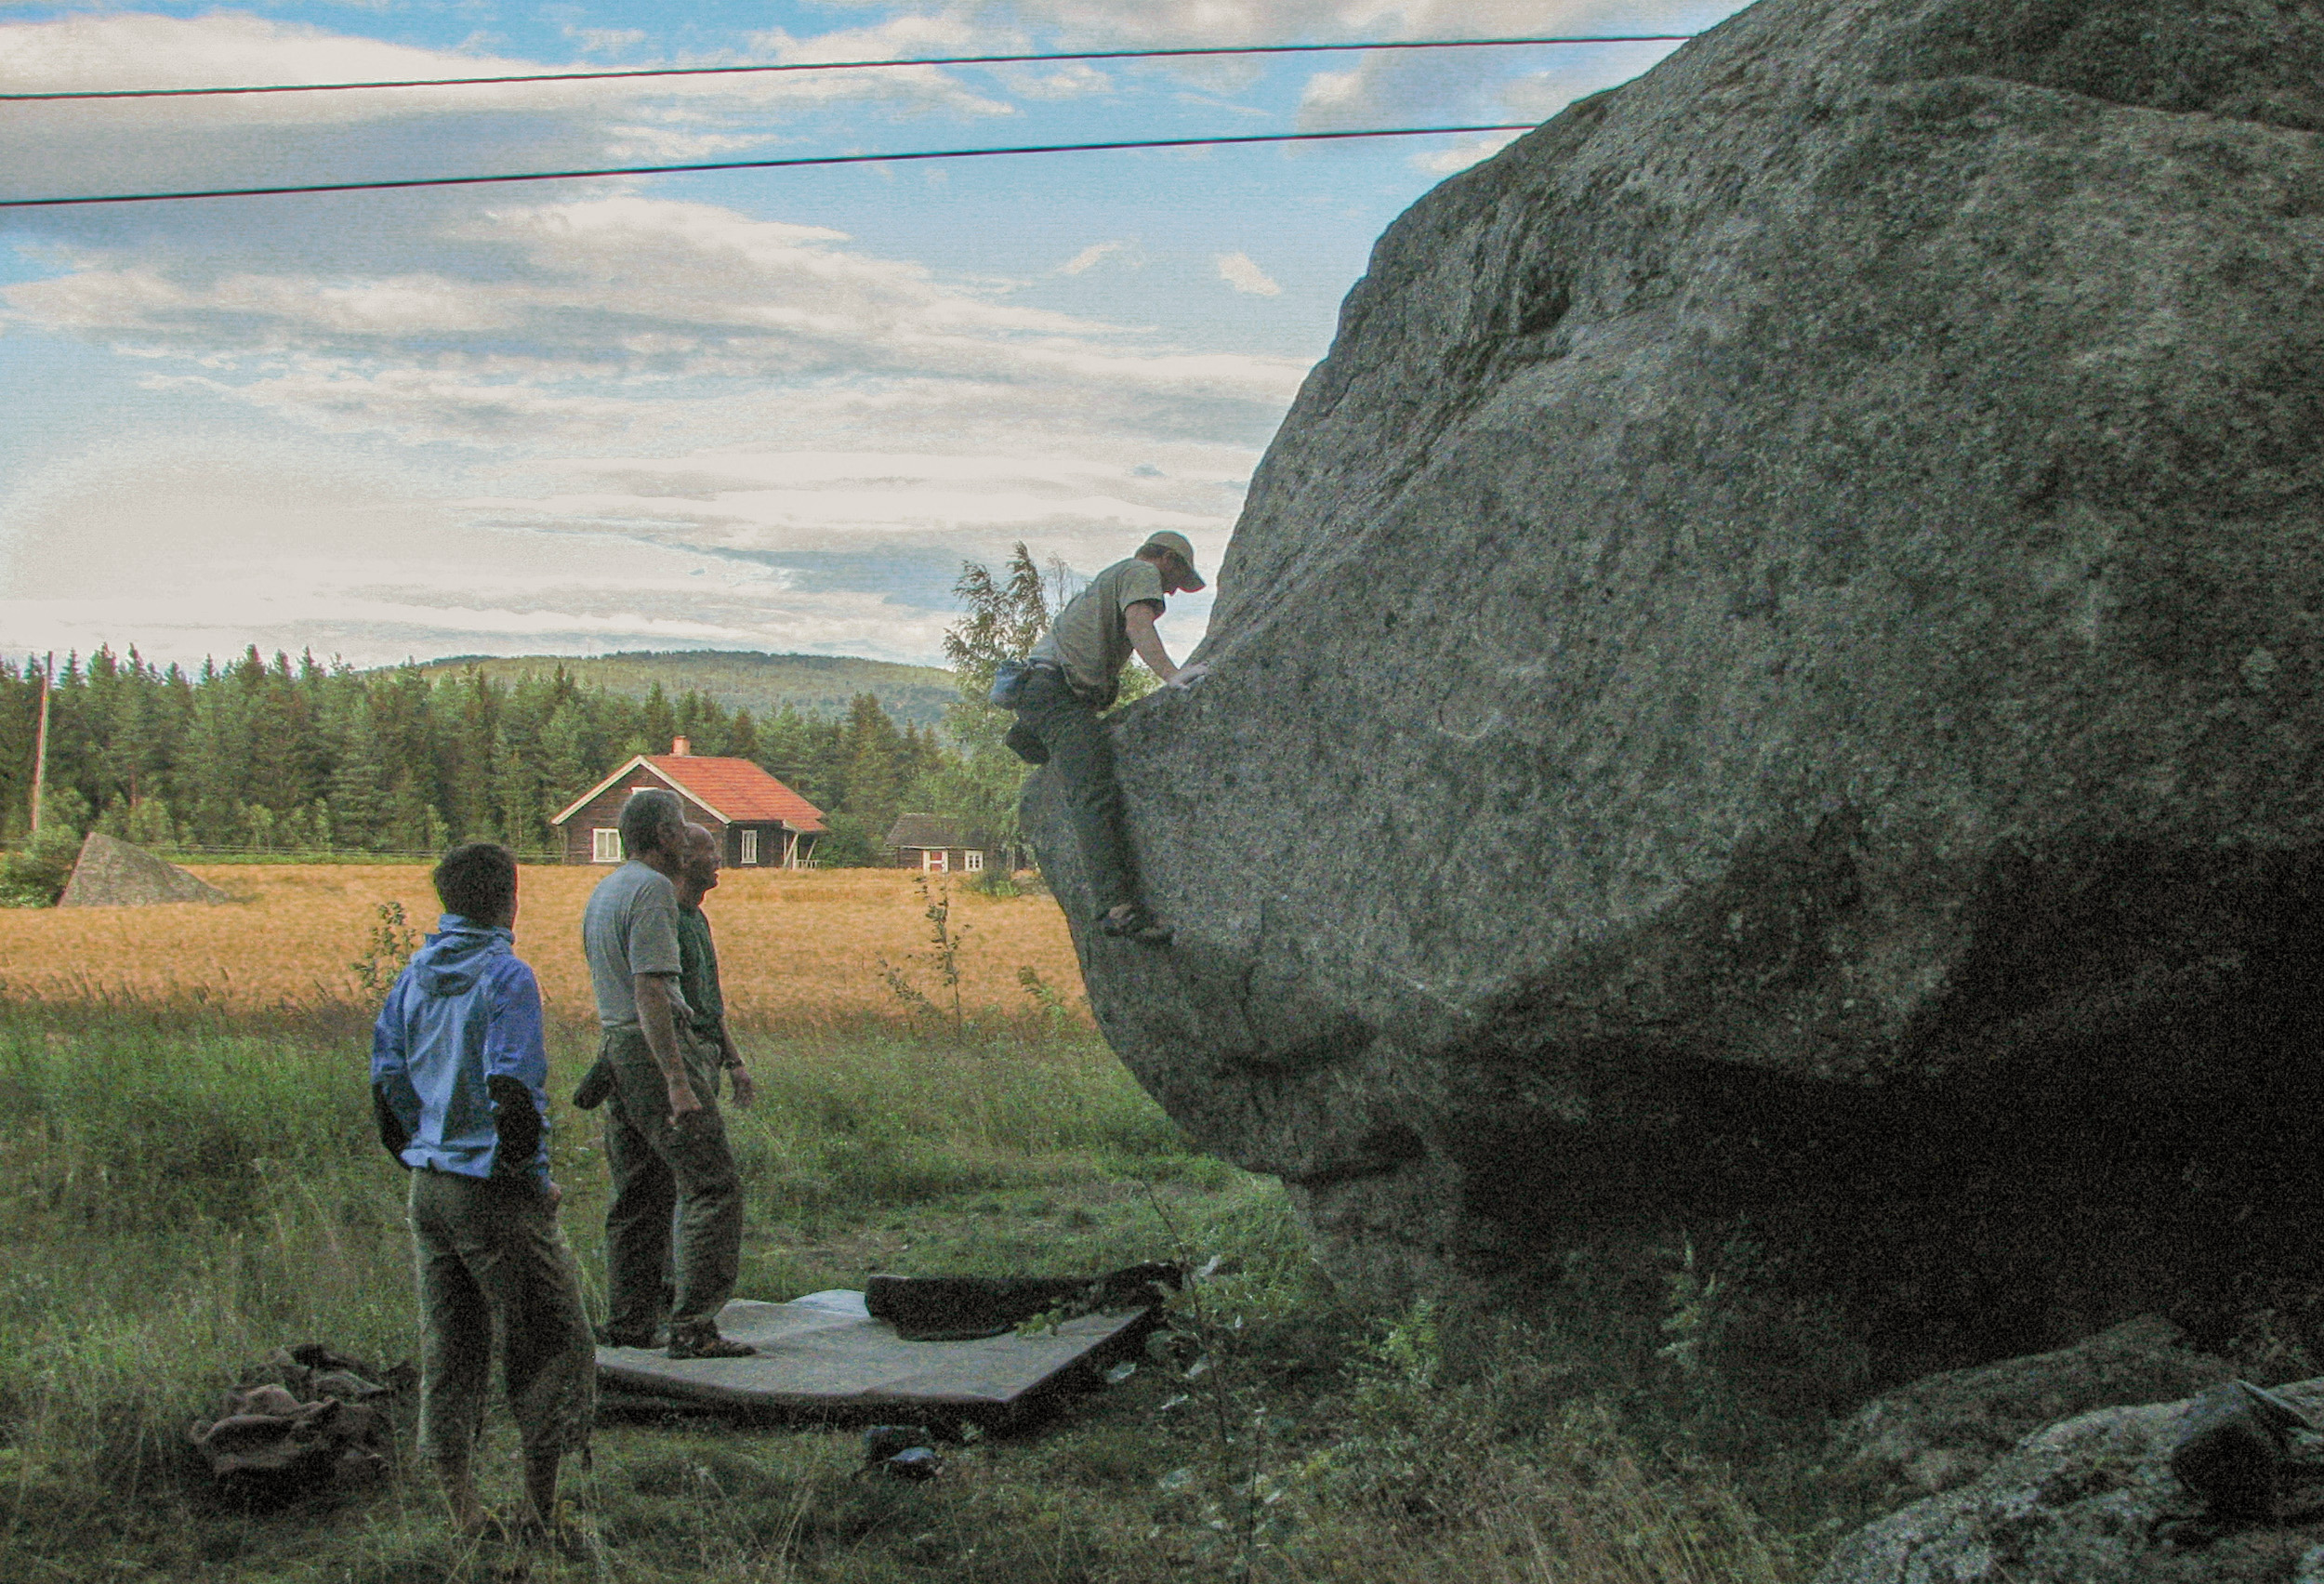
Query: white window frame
x=935, y=860
x=605, y=844
x=750, y=852
x=972, y=860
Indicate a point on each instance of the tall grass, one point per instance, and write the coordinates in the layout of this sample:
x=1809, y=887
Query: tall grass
x=882, y=1117
x=187, y=1187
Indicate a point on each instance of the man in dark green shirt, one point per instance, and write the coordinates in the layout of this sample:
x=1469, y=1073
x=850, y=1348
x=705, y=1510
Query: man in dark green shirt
x=698, y=962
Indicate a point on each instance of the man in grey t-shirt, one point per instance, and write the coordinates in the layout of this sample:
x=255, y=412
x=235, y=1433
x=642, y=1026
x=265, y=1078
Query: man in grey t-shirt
x=1075, y=672
x=673, y=1175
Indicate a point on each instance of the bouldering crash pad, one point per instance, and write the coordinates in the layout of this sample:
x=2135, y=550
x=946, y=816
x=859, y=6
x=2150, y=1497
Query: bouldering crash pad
x=824, y=1356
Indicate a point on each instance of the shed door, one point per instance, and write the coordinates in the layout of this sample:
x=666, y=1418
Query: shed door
x=933, y=859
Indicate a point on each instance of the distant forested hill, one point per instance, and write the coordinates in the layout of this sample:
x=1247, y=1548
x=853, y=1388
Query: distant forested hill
x=818, y=685
x=296, y=756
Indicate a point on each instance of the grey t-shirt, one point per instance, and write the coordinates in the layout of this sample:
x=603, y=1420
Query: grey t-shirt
x=1088, y=637
x=631, y=927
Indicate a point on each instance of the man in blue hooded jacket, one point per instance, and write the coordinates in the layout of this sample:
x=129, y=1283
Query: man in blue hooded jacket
x=458, y=1077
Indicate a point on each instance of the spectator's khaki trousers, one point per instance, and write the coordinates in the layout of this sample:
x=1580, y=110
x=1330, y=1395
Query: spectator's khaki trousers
x=489, y=1254
x=670, y=1186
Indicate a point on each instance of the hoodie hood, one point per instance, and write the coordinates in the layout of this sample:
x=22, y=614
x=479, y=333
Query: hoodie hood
x=454, y=956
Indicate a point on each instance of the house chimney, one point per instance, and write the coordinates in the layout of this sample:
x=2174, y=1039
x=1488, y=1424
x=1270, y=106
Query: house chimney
x=679, y=747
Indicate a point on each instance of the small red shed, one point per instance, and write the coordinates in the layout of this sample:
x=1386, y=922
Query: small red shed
x=760, y=823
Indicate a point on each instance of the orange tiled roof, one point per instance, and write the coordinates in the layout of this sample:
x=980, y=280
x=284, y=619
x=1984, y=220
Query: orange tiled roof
x=738, y=789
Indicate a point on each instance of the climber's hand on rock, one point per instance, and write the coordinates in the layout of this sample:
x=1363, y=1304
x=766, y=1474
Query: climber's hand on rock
x=1189, y=675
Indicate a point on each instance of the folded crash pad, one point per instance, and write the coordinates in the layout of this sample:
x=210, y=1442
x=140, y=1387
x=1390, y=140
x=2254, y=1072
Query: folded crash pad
x=824, y=1356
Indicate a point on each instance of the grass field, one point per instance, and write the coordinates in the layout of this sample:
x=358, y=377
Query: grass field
x=796, y=947
x=191, y=1181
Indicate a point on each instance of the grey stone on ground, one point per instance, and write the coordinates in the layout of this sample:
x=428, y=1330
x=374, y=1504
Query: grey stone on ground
x=2074, y=1504
x=1776, y=670
x=1947, y=1428
x=112, y=873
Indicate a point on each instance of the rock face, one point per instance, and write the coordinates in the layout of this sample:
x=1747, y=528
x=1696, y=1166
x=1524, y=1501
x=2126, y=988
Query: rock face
x=1944, y=1431
x=111, y=873
x=2075, y=1503
x=1772, y=673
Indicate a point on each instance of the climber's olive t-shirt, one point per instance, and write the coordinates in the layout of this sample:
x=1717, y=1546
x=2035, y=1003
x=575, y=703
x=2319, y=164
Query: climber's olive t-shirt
x=1088, y=637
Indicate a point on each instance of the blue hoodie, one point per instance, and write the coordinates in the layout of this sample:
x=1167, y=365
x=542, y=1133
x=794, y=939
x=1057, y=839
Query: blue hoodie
x=458, y=1070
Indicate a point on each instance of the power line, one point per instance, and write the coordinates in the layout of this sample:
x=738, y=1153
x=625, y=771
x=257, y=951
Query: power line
x=758, y=165
x=854, y=66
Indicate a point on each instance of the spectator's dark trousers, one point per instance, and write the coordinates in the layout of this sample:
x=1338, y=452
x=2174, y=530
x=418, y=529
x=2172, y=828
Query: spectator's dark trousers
x=668, y=1183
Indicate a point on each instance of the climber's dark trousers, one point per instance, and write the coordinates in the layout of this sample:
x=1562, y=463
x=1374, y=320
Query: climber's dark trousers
x=1082, y=759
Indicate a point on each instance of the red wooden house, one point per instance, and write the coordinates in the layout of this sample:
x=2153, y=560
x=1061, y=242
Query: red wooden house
x=760, y=823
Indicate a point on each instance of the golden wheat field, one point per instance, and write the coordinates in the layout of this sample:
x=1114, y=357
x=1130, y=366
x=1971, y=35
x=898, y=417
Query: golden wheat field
x=792, y=945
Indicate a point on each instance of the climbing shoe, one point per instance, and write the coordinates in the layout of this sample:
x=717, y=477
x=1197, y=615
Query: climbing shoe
x=1132, y=923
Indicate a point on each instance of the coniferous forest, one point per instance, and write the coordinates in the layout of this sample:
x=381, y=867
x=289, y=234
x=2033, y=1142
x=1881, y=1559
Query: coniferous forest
x=298, y=755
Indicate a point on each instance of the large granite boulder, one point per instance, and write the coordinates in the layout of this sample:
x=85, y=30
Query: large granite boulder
x=2089, y=1500
x=113, y=873
x=1773, y=674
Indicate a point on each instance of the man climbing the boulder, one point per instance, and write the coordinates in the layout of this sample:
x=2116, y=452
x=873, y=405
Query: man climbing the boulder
x=665, y=1141
x=1072, y=675
x=458, y=1077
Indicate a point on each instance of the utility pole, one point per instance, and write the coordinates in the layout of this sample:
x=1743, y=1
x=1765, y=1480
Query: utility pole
x=40, y=743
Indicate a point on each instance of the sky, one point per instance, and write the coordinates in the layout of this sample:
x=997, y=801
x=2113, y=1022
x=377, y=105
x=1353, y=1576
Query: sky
x=771, y=410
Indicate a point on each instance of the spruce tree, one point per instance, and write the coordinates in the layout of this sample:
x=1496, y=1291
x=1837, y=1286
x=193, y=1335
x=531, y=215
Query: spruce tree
x=516, y=796
x=742, y=736
x=359, y=783
x=657, y=722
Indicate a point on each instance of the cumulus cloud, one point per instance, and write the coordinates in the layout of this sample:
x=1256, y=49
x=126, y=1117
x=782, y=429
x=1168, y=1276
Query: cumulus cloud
x=1389, y=88
x=1460, y=155
x=1237, y=271
x=1384, y=88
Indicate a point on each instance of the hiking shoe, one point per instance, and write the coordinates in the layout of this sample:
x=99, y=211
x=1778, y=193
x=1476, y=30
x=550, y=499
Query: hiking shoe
x=700, y=1339
x=1134, y=923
